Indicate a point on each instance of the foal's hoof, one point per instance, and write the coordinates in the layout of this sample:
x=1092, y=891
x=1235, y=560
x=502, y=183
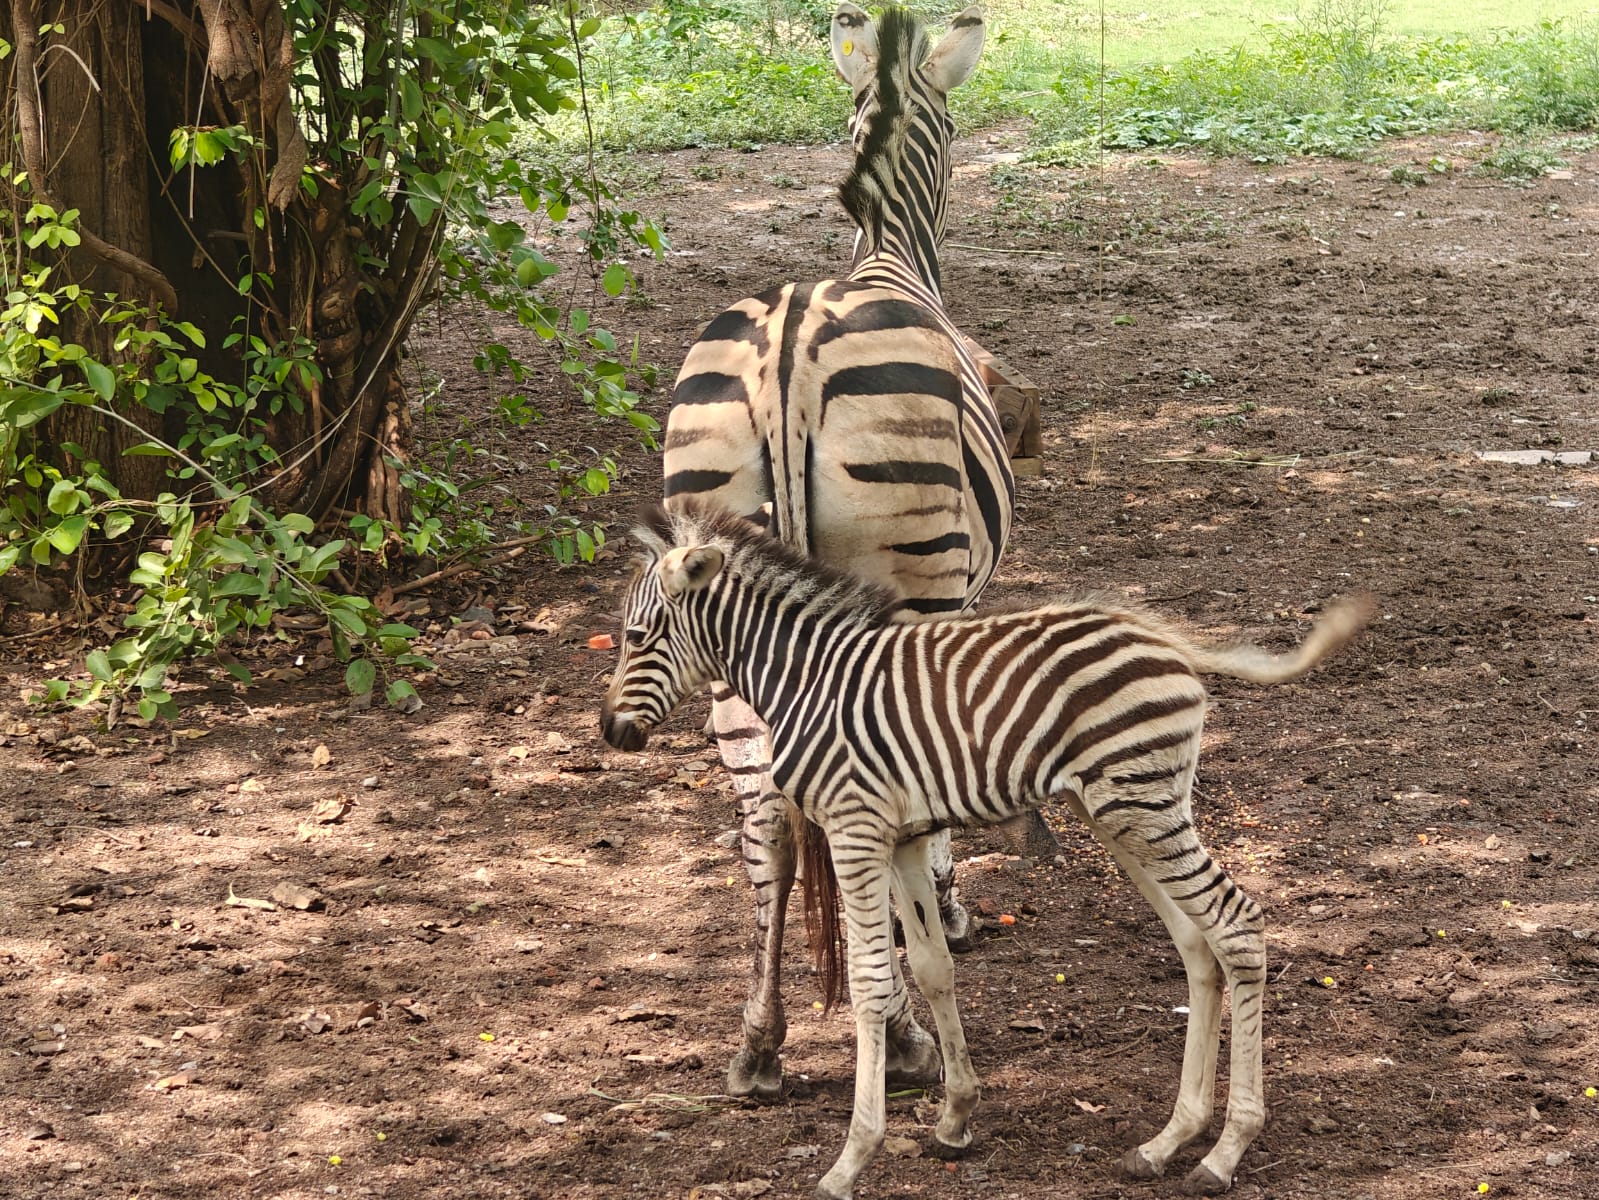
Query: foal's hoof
x=1136, y=1166
x=824, y=1191
x=1202, y=1181
x=758, y=1076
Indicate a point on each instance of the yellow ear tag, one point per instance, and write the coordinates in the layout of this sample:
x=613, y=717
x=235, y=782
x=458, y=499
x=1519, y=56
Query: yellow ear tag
x=848, y=48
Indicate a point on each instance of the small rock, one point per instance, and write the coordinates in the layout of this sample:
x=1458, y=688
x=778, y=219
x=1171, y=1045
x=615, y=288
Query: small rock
x=1557, y=1158
x=370, y=782
x=296, y=895
x=903, y=1147
x=38, y=1132
x=551, y=1118
x=1319, y=1123
x=729, y=839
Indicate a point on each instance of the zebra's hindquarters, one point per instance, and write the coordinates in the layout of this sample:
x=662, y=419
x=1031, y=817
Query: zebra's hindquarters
x=843, y=406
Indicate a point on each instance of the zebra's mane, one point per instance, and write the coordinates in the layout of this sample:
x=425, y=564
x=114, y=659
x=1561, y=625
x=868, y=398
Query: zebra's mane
x=755, y=554
x=901, y=49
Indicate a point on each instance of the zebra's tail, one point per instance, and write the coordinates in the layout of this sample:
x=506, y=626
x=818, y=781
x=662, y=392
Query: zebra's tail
x=823, y=927
x=1336, y=627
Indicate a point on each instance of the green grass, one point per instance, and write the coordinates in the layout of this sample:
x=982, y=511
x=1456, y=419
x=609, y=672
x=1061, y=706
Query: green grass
x=1163, y=31
x=1266, y=78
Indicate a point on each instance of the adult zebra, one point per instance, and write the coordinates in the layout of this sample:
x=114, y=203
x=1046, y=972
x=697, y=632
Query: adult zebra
x=850, y=413
x=885, y=730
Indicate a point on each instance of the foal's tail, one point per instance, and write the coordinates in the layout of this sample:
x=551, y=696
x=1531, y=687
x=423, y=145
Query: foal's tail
x=823, y=926
x=1337, y=626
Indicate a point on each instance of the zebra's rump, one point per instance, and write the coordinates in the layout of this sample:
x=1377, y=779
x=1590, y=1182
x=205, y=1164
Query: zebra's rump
x=846, y=407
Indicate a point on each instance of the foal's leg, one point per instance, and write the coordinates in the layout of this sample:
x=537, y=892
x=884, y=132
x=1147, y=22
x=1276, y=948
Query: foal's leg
x=1218, y=930
x=768, y=845
x=861, y=858
x=928, y=953
x=768, y=849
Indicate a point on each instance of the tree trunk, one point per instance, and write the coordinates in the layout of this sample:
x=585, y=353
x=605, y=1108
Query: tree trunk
x=95, y=160
x=94, y=129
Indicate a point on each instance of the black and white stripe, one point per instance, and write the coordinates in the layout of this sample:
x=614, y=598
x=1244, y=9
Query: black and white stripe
x=885, y=730
x=850, y=415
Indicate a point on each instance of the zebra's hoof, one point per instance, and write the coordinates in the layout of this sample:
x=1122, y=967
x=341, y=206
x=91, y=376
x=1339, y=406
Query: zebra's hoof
x=1137, y=1166
x=1202, y=1181
x=914, y=1060
x=949, y=1151
x=961, y=933
x=757, y=1076
x=834, y=1191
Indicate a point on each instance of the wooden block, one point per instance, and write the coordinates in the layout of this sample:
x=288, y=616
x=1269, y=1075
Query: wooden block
x=1017, y=399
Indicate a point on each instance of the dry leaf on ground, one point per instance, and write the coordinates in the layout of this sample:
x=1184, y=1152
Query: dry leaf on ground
x=331, y=808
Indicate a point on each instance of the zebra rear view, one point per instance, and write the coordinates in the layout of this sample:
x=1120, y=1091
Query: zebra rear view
x=851, y=411
x=884, y=731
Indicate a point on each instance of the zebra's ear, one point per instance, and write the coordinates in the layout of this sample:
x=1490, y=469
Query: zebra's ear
x=654, y=529
x=689, y=568
x=854, y=46
x=952, y=60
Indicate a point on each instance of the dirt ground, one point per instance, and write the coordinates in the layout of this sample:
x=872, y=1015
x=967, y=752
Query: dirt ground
x=522, y=967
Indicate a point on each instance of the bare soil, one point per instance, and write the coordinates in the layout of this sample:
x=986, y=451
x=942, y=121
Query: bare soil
x=1264, y=386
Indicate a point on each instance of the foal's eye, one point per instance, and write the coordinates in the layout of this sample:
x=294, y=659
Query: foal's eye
x=635, y=637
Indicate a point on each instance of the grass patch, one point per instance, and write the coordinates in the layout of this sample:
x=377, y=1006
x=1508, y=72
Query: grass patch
x=1335, y=78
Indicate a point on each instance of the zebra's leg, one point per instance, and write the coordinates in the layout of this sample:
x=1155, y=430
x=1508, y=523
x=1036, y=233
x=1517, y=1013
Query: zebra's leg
x=1219, y=931
x=862, y=861
x=767, y=843
x=913, y=1058
x=960, y=931
x=935, y=976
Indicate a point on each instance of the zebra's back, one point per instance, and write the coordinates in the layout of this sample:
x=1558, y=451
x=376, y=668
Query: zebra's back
x=847, y=407
x=973, y=720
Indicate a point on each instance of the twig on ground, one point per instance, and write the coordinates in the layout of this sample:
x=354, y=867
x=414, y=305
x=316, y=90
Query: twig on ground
x=462, y=568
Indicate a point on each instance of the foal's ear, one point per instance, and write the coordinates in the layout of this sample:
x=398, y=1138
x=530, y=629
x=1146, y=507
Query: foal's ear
x=654, y=529
x=854, y=46
x=952, y=60
x=689, y=568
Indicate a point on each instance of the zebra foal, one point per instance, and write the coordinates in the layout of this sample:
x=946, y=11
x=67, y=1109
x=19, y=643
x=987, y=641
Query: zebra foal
x=885, y=731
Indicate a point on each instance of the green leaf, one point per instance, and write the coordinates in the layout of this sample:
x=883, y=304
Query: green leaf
x=239, y=671
x=410, y=103
x=63, y=497
x=66, y=536
x=395, y=629
x=98, y=665
x=101, y=378
x=359, y=676
x=116, y=524
x=421, y=209
x=8, y=557
x=399, y=690
x=240, y=583
x=506, y=234
x=615, y=279
x=348, y=621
